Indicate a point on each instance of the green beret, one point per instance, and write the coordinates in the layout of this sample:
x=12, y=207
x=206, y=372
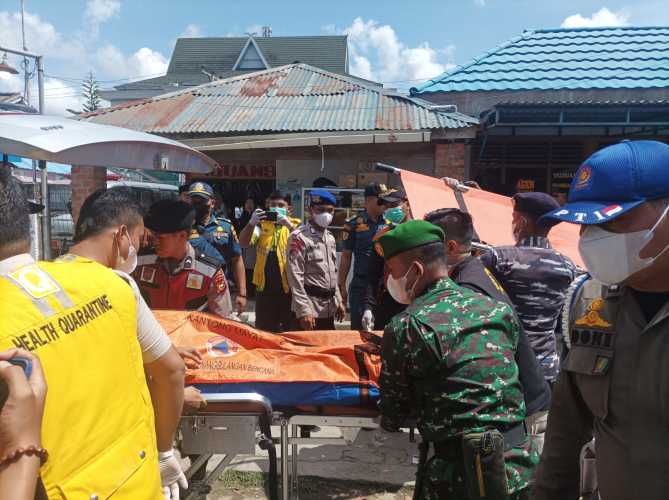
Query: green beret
x=411, y=234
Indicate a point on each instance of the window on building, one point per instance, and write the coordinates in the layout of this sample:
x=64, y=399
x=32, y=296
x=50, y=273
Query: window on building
x=251, y=59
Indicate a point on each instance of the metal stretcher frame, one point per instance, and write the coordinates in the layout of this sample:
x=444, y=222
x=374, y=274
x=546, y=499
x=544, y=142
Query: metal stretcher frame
x=232, y=426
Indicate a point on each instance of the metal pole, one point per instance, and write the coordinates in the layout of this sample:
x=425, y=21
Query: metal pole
x=45, y=235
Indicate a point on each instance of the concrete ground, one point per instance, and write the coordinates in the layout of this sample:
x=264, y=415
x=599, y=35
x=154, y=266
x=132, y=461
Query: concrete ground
x=377, y=465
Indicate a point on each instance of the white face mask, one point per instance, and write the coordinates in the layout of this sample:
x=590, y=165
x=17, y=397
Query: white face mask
x=323, y=220
x=128, y=264
x=397, y=288
x=613, y=257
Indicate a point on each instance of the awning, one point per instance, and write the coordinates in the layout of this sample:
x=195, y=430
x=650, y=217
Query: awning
x=491, y=212
x=63, y=140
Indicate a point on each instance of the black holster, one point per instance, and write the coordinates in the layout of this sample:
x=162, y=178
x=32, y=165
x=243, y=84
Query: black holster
x=483, y=461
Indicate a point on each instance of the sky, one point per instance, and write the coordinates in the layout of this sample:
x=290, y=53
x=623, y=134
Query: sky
x=398, y=43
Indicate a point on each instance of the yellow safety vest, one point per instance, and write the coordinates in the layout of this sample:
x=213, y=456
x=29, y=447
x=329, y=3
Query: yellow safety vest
x=98, y=427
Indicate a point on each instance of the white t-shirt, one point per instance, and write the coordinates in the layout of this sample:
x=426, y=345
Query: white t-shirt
x=152, y=338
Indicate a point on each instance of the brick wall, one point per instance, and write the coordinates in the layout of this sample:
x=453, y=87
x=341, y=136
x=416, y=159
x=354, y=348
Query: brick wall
x=449, y=160
x=84, y=181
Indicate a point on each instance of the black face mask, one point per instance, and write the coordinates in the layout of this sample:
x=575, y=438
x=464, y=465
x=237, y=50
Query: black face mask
x=201, y=212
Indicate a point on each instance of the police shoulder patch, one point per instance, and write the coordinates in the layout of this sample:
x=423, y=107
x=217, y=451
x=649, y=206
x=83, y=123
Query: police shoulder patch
x=194, y=281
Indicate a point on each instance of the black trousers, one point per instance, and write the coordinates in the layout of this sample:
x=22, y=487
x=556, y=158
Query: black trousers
x=321, y=324
x=273, y=311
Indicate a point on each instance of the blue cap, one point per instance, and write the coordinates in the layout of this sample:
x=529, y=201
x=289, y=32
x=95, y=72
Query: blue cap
x=614, y=180
x=201, y=189
x=321, y=197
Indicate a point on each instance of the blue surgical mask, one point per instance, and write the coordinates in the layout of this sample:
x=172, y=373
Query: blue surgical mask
x=279, y=210
x=394, y=215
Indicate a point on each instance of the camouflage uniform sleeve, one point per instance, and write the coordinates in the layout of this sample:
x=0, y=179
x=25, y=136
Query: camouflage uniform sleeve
x=297, y=249
x=218, y=296
x=394, y=383
x=569, y=428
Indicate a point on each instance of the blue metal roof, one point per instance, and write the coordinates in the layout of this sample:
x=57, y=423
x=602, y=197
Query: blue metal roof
x=557, y=59
x=291, y=98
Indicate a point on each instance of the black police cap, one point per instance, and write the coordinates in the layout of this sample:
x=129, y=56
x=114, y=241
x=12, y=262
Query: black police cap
x=534, y=203
x=170, y=216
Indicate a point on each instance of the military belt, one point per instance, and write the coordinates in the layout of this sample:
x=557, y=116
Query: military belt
x=321, y=293
x=452, y=448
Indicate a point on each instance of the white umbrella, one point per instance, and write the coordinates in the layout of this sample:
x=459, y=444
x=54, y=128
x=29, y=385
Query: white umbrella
x=63, y=140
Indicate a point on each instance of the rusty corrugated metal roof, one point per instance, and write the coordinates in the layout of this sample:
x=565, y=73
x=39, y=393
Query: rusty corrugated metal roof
x=291, y=98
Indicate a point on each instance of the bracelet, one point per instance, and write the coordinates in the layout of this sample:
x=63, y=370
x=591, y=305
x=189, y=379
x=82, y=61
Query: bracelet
x=31, y=450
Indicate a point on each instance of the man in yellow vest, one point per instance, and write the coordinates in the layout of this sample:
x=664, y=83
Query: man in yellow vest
x=268, y=232
x=80, y=318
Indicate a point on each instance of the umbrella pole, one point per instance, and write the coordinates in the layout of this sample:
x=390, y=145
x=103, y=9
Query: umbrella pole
x=44, y=234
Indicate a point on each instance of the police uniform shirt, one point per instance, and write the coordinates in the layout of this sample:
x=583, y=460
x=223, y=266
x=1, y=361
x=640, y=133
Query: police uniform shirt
x=312, y=262
x=359, y=231
x=221, y=234
x=613, y=385
x=536, y=277
x=218, y=295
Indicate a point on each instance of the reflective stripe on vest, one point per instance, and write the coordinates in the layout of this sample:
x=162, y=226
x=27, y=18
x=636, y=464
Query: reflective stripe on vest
x=98, y=421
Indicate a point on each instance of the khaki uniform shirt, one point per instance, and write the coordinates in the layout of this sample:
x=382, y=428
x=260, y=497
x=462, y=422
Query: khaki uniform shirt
x=615, y=386
x=312, y=262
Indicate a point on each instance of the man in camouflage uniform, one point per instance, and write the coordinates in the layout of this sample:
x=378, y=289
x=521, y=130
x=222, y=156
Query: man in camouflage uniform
x=450, y=357
x=615, y=379
x=469, y=272
x=535, y=276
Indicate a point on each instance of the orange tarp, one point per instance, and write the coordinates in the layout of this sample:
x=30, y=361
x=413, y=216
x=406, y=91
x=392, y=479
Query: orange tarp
x=491, y=212
x=318, y=367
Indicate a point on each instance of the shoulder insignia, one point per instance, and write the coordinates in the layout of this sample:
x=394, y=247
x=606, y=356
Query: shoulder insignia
x=361, y=227
x=220, y=281
x=193, y=234
x=592, y=317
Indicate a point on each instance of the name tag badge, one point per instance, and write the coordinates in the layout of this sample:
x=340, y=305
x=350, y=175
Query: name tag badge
x=194, y=281
x=148, y=275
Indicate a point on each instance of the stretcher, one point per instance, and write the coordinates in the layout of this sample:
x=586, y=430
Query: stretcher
x=253, y=380
x=233, y=424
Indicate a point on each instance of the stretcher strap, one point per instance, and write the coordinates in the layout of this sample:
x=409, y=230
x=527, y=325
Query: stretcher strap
x=363, y=375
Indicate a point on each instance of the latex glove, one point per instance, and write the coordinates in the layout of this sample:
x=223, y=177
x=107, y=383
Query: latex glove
x=283, y=220
x=257, y=216
x=171, y=475
x=367, y=320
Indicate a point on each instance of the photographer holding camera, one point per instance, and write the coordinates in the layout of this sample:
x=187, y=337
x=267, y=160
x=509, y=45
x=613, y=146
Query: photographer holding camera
x=268, y=231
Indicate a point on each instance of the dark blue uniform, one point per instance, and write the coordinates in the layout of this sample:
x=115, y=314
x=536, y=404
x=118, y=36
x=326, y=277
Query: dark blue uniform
x=536, y=277
x=204, y=248
x=221, y=234
x=357, y=237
